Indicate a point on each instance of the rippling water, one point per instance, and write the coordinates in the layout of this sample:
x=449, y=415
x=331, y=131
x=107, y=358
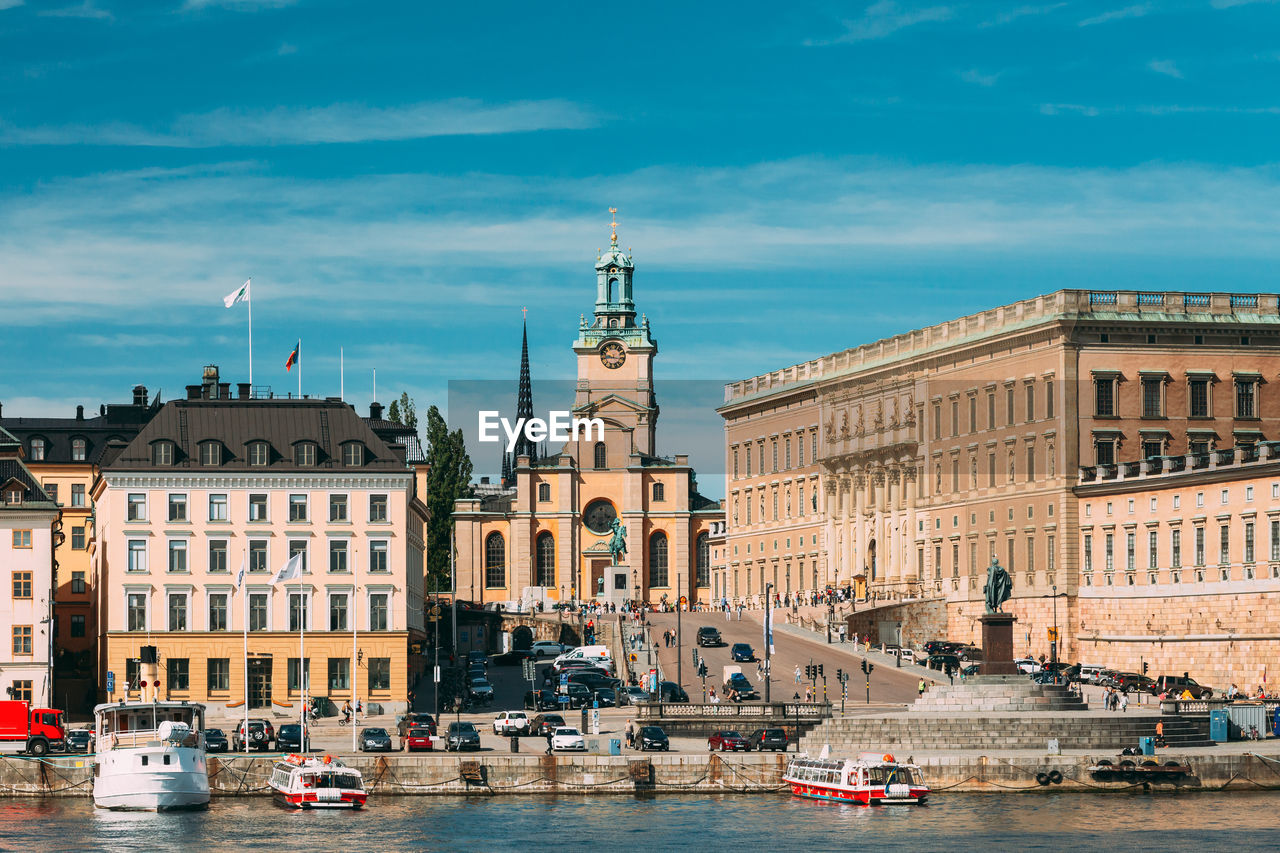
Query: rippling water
x=1051, y=822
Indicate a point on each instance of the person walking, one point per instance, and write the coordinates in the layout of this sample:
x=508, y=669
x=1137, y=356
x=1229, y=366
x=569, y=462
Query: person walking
x=921, y=687
x=549, y=735
x=1124, y=701
x=631, y=735
x=797, y=673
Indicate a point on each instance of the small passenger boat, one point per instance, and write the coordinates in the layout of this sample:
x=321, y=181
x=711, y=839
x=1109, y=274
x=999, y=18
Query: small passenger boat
x=303, y=782
x=150, y=756
x=871, y=779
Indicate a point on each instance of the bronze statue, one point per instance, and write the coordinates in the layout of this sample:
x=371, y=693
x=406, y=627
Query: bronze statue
x=618, y=541
x=999, y=586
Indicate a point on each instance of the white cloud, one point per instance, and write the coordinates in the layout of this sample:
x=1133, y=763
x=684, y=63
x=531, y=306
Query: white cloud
x=316, y=125
x=238, y=5
x=978, y=78
x=85, y=10
x=1229, y=4
x=10, y=4
x=1080, y=109
x=885, y=18
x=1117, y=15
x=1021, y=12
x=1165, y=66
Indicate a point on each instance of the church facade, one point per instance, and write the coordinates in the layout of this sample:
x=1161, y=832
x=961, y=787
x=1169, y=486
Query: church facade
x=548, y=537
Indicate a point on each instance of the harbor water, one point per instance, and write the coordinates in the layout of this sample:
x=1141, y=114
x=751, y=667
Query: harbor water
x=1050, y=822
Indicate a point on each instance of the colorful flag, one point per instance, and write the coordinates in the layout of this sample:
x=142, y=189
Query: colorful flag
x=291, y=570
x=244, y=564
x=241, y=295
x=293, y=357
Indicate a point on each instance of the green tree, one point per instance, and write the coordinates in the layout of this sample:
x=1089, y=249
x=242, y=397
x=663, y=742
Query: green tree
x=408, y=411
x=448, y=479
x=393, y=414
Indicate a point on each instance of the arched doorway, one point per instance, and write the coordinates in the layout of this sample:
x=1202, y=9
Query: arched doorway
x=522, y=638
x=871, y=560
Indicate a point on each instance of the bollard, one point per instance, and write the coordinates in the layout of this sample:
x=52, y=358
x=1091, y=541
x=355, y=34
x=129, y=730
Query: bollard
x=515, y=743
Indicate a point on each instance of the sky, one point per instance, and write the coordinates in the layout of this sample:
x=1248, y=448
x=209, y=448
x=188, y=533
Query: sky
x=400, y=179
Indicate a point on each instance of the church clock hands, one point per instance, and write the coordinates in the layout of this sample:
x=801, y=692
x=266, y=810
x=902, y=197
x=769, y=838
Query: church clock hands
x=612, y=355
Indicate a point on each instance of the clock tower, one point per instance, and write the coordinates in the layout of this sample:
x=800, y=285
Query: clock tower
x=615, y=361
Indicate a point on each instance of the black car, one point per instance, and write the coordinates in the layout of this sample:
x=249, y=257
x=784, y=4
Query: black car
x=669, y=691
x=215, y=740
x=475, y=656
x=709, y=636
x=579, y=695
x=545, y=724
x=593, y=680
x=762, y=739
x=605, y=698
x=373, y=739
x=290, y=738
x=651, y=738
x=461, y=736
x=81, y=740
x=742, y=653
x=414, y=720
x=540, y=700
x=739, y=684
x=1174, y=685
x=942, y=661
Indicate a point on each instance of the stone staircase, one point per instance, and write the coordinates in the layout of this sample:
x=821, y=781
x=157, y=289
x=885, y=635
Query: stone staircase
x=998, y=693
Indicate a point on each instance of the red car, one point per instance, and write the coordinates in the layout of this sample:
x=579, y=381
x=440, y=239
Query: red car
x=418, y=739
x=728, y=741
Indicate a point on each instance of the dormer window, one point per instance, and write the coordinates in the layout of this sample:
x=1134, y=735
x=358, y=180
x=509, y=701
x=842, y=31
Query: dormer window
x=13, y=496
x=38, y=446
x=304, y=454
x=353, y=454
x=259, y=454
x=162, y=453
x=78, y=449
x=210, y=453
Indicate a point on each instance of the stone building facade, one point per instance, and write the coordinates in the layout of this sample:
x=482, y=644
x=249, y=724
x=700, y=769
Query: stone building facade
x=900, y=468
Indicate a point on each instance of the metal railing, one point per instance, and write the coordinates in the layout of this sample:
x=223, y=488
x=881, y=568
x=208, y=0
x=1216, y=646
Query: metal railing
x=745, y=710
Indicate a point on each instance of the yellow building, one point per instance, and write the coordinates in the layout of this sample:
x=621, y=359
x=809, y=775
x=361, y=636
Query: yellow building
x=547, y=537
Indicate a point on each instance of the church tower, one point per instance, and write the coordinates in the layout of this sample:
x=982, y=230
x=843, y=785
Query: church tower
x=615, y=361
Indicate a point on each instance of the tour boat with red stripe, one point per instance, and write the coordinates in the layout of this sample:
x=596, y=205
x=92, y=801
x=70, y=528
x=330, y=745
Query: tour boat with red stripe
x=872, y=779
x=303, y=782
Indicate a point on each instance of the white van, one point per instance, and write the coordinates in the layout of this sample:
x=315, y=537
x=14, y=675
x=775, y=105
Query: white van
x=598, y=655
x=1089, y=672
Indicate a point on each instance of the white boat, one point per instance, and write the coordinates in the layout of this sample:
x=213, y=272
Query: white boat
x=301, y=782
x=872, y=779
x=150, y=756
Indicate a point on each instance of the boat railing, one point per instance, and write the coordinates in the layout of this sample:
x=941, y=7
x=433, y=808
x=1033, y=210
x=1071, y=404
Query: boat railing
x=147, y=737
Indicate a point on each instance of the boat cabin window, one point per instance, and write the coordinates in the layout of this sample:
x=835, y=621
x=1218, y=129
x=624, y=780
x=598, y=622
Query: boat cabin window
x=166, y=758
x=144, y=761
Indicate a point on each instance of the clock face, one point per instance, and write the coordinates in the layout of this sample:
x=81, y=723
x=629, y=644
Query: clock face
x=612, y=355
x=599, y=515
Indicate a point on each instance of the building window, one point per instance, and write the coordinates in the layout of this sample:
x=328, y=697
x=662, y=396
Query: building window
x=51, y=489
x=177, y=507
x=544, y=492
x=1152, y=398
x=296, y=547
x=1008, y=403
x=813, y=454
x=1275, y=540
x=136, y=605
x=1108, y=552
x=137, y=510
x=217, y=556
x=218, y=508
x=545, y=556
x=735, y=463
x=162, y=453
x=1104, y=397
x=137, y=555
x=338, y=612
x=955, y=418
x=22, y=584
x=379, y=674
x=77, y=625
x=1246, y=398
x=258, y=611
x=1224, y=545
x=991, y=470
x=601, y=456
x=77, y=494
x=1031, y=463
x=178, y=671
x=1153, y=539
x=1050, y=557
x=1175, y=549
x=353, y=454
x=658, y=560
x=495, y=561
x=703, y=560
x=22, y=640
x=378, y=610
x=297, y=507
x=937, y=421
x=1199, y=546
x=658, y=492
x=219, y=674
x=775, y=455
x=257, y=555
x=210, y=453
x=378, y=556
x=1031, y=402
x=787, y=458
x=1031, y=554
x=77, y=583
x=339, y=674
x=299, y=611
x=259, y=454
x=1248, y=542
x=338, y=508
x=37, y=449
x=304, y=454
x=1198, y=398
x=1105, y=451
x=218, y=611
x=178, y=555
x=177, y=611
x=337, y=555
x=973, y=414
x=747, y=452
x=296, y=671
x=377, y=509
x=800, y=450
x=1152, y=449
x=1130, y=555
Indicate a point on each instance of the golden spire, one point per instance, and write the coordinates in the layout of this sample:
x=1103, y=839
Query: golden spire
x=613, y=237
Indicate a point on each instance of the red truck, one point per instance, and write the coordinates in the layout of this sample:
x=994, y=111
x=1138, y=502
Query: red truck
x=34, y=731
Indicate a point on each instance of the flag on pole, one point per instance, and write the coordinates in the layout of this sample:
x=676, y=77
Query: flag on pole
x=244, y=564
x=291, y=570
x=293, y=357
x=241, y=295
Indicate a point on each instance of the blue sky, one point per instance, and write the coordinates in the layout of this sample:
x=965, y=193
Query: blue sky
x=402, y=178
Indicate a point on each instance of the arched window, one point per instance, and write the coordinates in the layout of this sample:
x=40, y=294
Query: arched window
x=259, y=454
x=210, y=453
x=613, y=290
x=37, y=449
x=495, y=561
x=546, y=560
x=704, y=560
x=658, y=560
x=353, y=454
x=162, y=453
x=659, y=492
x=78, y=448
x=304, y=454
x=544, y=491
x=601, y=456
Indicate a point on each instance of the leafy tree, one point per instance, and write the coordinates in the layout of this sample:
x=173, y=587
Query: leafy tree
x=408, y=411
x=393, y=414
x=448, y=479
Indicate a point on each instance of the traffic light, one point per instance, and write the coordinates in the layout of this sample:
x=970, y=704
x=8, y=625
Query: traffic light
x=870, y=667
x=820, y=675
x=1144, y=667
x=864, y=666
x=840, y=675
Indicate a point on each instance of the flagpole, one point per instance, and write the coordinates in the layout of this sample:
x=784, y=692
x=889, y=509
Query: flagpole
x=299, y=368
x=244, y=599
x=302, y=659
x=250, y=301
x=355, y=627
x=342, y=374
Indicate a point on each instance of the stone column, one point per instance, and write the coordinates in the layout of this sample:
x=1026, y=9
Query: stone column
x=910, y=487
x=893, y=556
x=828, y=509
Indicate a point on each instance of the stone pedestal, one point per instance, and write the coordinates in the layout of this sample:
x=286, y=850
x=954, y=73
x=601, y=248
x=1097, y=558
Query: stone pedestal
x=997, y=644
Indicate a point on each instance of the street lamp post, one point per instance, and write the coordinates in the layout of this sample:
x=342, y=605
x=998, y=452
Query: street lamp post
x=1053, y=647
x=768, y=636
x=679, y=649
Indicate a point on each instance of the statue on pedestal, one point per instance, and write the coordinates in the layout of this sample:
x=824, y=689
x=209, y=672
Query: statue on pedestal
x=618, y=542
x=999, y=586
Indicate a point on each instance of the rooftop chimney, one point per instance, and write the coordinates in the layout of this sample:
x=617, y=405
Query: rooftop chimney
x=375, y=411
x=193, y=392
x=224, y=390
x=244, y=391
x=209, y=379
x=79, y=413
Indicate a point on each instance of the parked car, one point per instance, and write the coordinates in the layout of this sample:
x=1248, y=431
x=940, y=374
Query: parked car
x=418, y=739
x=540, y=700
x=1175, y=685
x=969, y=653
x=941, y=661
x=941, y=647
x=593, y=680
x=1046, y=677
x=652, y=738
x=576, y=665
x=291, y=738
x=709, y=637
x=632, y=695
x=1089, y=673
x=415, y=719
x=476, y=656
x=260, y=737
x=567, y=739
x=775, y=739
x=374, y=739
x=669, y=691
x=545, y=724
x=907, y=655
x=460, y=736
x=511, y=723
x=970, y=670
x=81, y=740
x=579, y=695
x=480, y=690
x=605, y=698
x=1028, y=666
x=1134, y=682
x=738, y=683
x=742, y=653
x=548, y=649
x=727, y=741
